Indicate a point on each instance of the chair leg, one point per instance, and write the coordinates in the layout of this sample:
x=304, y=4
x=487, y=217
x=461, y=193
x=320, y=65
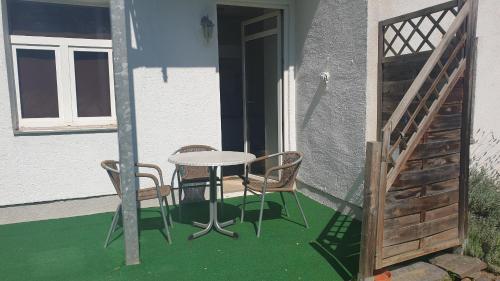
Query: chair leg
x=300, y=208
x=173, y=196
x=242, y=217
x=261, y=212
x=169, y=212
x=112, y=227
x=180, y=201
x=164, y=218
x=284, y=204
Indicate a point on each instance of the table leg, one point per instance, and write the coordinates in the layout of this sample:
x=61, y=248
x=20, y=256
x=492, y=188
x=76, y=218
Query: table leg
x=213, y=221
x=200, y=225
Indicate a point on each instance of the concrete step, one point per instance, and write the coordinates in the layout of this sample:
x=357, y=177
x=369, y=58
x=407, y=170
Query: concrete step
x=462, y=266
x=420, y=271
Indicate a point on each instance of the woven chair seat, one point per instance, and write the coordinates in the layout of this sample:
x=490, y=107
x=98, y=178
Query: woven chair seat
x=272, y=186
x=150, y=193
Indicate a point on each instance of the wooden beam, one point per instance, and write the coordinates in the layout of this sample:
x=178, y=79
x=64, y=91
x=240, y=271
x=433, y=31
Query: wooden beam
x=470, y=52
x=380, y=78
x=381, y=202
x=125, y=115
x=368, y=234
x=420, y=252
x=422, y=12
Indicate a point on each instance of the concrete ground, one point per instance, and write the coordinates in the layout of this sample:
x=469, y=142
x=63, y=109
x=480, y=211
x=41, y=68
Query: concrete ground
x=88, y=206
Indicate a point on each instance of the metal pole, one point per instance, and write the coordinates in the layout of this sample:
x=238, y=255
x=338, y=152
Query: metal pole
x=127, y=139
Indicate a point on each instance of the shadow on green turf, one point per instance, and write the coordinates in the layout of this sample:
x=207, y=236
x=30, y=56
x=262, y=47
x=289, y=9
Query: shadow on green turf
x=339, y=244
x=150, y=219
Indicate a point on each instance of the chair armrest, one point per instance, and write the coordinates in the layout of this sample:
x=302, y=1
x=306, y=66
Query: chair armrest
x=152, y=166
x=150, y=176
x=265, y=157
x=262, y=158
x=281, y=167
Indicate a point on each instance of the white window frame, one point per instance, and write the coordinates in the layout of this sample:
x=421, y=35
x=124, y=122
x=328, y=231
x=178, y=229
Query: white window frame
x=39, y=122
x=106, y=120
x=66, y=88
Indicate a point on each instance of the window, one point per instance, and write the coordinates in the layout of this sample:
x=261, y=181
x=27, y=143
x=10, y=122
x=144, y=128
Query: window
x=62, y=61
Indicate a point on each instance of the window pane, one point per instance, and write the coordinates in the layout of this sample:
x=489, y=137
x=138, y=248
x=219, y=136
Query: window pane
x=58, y=20
x=92, y=84
x=37, y=83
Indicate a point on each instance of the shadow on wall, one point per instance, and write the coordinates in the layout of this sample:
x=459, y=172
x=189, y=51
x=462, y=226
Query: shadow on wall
x=162, y=38
x=320, y=92
x=302, y=28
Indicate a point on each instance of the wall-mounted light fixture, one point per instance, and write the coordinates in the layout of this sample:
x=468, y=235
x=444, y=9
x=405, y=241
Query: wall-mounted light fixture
x=325, y=77
x=208, y=28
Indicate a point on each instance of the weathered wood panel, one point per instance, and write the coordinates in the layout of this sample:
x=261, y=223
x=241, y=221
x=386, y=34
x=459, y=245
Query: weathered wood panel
x=436, y=149
x=426, y=176
x=420, y=230
x=394, y=223
x=444, y=135
x=441, y=212
x=437, y=238
x=441, y=161
x=425, y=96
x=446, y=122
x=438, y=246
x=442, y=187
x=394, y=250
x=416, y=205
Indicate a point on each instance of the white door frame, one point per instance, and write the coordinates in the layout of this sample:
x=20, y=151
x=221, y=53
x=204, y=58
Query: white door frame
x=279, y=69
x=288, y=8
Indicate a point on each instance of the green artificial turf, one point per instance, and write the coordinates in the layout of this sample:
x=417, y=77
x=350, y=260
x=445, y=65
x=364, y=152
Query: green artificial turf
x=72, y=248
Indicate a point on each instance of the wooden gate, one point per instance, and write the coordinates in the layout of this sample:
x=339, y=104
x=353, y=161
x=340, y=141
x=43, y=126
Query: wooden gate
x=416, y=176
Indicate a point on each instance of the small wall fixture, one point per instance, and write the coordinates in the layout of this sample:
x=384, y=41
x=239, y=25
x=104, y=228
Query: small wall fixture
x=325, y=77
x=208, y=28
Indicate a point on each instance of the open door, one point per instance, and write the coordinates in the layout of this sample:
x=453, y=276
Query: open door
x=262, y=87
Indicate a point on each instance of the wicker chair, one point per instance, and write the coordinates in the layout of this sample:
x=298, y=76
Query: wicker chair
x=291, y=162
x=160, y=191
x=193, y=177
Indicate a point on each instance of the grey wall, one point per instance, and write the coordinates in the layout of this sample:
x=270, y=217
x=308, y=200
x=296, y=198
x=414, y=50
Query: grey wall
x=331, y=36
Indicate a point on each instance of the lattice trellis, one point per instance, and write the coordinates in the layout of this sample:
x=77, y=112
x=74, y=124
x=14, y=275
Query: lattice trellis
x=417, y=34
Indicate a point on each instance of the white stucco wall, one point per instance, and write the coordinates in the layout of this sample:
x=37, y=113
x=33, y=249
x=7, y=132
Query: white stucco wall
x=175, y=78
x=177, y=103
x=48, y=167
x=176, y=86
x=331, y=37
x=487, y=95
x=487, y=99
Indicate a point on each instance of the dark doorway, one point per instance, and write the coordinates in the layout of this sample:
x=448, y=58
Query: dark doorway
x=250, y=75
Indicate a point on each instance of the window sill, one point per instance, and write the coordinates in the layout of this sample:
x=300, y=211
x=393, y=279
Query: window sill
x=64, y=130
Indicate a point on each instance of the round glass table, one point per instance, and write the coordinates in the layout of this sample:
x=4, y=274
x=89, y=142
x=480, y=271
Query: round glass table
x=212, y=160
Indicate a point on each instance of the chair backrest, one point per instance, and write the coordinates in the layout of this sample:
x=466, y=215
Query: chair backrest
x=190, y=172
x=289, y=174
x=112, y=167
